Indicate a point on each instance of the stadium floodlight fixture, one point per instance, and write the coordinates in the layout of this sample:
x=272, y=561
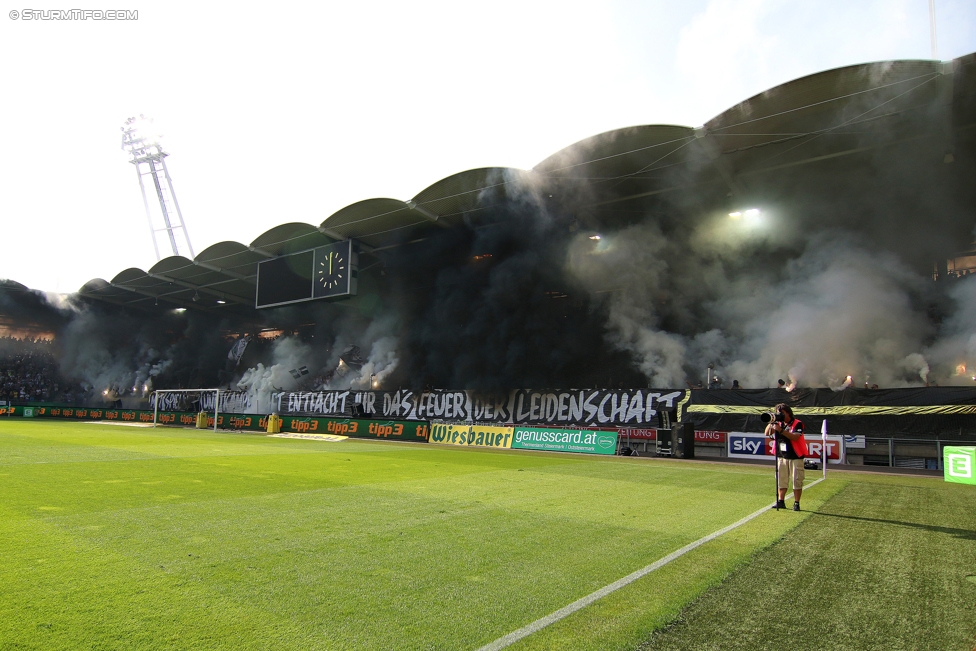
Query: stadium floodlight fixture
x=595, y=237
x=749, y=213
x=141, y=140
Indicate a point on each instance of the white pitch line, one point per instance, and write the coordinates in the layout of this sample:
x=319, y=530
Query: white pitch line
x=579, y=604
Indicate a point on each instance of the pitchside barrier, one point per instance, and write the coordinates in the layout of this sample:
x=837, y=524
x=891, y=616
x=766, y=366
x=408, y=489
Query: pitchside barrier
x=853, y=450
x=551, y=439
x=379, y=429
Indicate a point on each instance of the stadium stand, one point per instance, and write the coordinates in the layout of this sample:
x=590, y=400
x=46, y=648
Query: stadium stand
x=29, y=373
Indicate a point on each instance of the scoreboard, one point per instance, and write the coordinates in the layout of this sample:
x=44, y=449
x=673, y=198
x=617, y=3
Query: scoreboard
x=329, y=272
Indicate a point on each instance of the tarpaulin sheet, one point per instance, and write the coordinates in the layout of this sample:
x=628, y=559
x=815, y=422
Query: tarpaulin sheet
x=923, y=412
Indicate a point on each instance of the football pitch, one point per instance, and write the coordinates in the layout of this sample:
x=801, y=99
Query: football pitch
x=136, y=538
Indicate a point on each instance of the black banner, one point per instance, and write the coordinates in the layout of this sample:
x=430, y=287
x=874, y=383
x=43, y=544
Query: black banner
x=521, y=406
x=922, y=412
x=237, y=402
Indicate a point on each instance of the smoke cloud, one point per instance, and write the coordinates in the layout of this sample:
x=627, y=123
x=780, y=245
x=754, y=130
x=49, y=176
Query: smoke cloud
x=819, y=273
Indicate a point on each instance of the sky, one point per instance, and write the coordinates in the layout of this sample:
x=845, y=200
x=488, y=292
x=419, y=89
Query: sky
x=290, y=113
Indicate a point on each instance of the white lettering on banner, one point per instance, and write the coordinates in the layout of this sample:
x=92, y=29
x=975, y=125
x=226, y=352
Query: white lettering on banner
x=576, y=408
x=636, y=410
x=589, y=406
x=710, y=436
x=600, y=414
x=642, y=434
x=581, y=407
x=834, y=446
x=234, y=402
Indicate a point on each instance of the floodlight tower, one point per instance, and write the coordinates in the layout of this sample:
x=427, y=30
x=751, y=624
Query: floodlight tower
x=141, y=141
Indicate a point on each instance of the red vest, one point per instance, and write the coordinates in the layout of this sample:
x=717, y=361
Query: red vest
x=799, y=445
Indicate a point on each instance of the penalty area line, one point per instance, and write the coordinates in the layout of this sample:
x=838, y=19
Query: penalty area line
x=579, y=604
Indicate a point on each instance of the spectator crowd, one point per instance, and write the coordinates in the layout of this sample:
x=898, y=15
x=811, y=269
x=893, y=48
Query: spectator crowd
x=29, y=372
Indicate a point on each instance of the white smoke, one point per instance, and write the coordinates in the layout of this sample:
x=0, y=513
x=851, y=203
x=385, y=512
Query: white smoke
x=629, y=268
x=260, y=382
x=92, y=354
x=836, y=309
x=381, y=361
x=956, y=346
x=915, y=365
x=848, y=381
x=839, y=310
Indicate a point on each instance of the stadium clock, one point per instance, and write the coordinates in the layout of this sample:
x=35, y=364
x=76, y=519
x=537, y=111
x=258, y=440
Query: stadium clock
x=331, y=271
x=335, y=270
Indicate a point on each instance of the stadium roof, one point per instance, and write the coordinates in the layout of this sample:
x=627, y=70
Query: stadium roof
x=828, y=116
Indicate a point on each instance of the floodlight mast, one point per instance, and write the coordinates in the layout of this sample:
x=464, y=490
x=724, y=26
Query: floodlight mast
x=145, y=151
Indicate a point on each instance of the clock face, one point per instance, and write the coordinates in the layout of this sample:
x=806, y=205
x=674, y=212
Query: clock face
x=332, y=271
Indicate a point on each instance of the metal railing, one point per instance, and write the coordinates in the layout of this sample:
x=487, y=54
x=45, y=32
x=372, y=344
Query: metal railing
x=903, y=453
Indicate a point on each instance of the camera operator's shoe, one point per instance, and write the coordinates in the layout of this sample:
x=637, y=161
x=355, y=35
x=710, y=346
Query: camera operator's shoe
x=796, y=506
x=780, y=504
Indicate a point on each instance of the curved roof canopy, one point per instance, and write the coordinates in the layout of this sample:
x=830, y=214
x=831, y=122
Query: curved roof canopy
x=826, y=116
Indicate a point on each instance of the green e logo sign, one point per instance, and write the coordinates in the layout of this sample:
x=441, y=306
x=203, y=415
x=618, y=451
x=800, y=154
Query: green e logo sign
x=960, y=464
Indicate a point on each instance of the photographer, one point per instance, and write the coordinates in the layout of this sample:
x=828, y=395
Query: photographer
x=791, y=448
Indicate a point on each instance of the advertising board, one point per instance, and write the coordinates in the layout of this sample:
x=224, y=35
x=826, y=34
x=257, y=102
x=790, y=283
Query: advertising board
x=474, y=435
x=356, y=428
x=636, y=433
x=960, y=464
x=565, y=440
x=745, y=445
x=710, y=436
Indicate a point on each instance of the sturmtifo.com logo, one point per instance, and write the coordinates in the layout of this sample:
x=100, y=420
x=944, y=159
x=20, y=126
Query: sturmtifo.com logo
x=74, y=14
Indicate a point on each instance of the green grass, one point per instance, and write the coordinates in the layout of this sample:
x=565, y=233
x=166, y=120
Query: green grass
x=127, y=538
x=887, y=563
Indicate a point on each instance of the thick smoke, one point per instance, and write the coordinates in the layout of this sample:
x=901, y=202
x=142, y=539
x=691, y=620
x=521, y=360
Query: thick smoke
x=529, y=298
x=490, y=306
x=579, y=277
x=954, y=352
x=759, y=306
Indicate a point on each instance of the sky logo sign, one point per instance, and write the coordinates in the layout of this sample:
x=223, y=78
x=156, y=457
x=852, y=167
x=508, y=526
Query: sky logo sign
x=747, y=446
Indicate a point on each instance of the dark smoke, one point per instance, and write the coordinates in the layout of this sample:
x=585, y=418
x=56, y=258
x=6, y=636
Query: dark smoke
x=832, y=279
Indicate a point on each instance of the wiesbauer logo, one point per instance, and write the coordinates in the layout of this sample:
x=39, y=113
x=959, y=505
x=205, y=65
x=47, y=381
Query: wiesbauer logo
x=74, y=14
